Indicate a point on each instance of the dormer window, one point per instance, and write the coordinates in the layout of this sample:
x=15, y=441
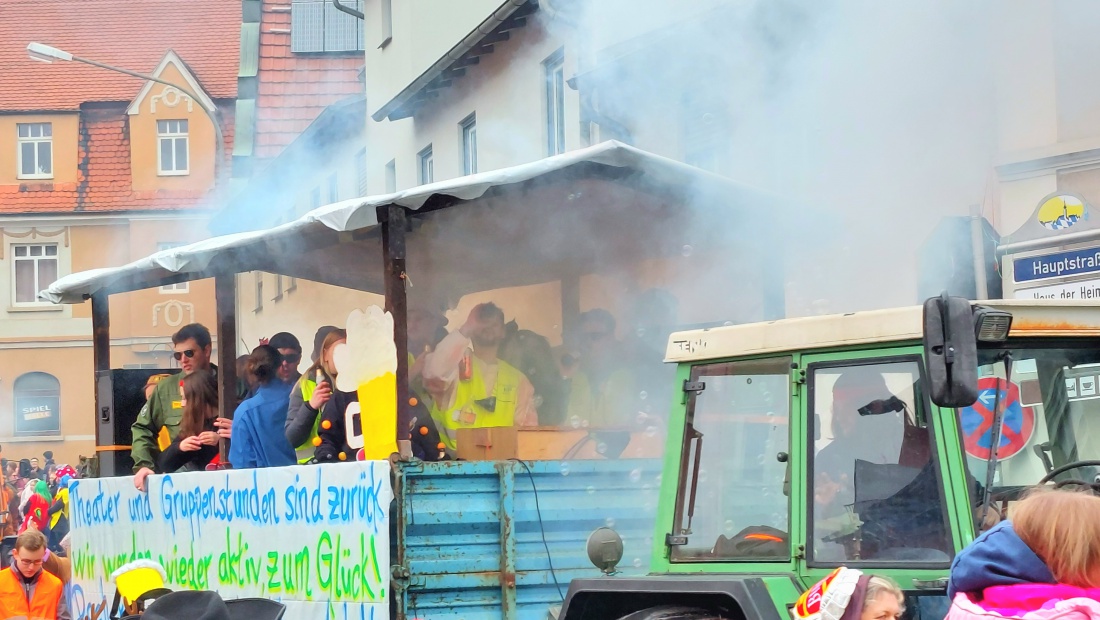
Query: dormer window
x=172, y=151
x=35, y=150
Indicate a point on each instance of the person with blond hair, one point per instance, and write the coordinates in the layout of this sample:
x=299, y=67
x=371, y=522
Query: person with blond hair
x=1042, y=564
x=849, y=594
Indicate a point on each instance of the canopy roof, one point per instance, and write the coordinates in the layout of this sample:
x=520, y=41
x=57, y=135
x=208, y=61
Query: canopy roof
x=532, y=216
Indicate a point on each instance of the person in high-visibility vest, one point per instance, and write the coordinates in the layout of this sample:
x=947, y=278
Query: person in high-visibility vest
x=470, y=386
x=310, y=395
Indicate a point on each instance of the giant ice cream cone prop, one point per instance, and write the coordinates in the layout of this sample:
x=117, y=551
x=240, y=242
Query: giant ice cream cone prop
x=367, y=364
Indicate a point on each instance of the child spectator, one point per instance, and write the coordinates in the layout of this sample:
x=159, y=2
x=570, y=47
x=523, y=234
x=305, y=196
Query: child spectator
x=1042, y=564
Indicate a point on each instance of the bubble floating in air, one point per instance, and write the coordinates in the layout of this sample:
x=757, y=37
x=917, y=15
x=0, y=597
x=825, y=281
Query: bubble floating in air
x=609, y=522
x=637, y=562
x=636, y=475
x=565, y=469
x=643, y=395
x=686, y=251
x=575, y=422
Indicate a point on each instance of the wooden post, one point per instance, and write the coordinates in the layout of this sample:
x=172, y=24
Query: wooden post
x=225, y=301
x=394, y=224
x=104, y=386
x=570, y=303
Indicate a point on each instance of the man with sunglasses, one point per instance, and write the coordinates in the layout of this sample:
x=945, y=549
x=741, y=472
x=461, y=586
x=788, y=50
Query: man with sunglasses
x=291, y=350
x=602, y=390
x=159, y=422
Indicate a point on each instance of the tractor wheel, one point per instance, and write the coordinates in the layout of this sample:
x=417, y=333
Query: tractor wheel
x=672, y=612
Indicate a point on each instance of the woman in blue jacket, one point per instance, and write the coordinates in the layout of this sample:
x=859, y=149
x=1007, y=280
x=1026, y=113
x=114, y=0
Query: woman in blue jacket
x=258, y=439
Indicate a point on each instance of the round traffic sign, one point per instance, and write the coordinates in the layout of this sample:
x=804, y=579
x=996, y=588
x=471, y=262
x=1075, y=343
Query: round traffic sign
x=977, y=420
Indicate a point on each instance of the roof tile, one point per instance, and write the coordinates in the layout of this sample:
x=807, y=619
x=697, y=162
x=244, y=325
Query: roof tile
x=134, y=35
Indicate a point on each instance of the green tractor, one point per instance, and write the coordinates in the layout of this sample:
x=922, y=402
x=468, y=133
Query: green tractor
x=864, y=440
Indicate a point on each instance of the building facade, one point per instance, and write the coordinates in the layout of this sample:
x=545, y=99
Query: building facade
x=98, y=169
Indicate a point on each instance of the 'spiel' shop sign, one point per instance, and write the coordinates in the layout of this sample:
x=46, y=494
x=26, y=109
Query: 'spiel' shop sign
x=1057, y=265
x=37, y=414
x=313, y=537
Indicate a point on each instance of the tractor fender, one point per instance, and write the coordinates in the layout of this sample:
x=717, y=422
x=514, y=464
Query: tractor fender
x=670, y=597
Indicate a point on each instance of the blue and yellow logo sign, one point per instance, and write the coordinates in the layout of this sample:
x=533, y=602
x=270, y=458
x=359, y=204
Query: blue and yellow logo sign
x=1061, y=211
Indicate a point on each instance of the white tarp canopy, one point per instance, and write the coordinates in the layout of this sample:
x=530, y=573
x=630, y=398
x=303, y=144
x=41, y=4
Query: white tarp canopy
x=621, y=163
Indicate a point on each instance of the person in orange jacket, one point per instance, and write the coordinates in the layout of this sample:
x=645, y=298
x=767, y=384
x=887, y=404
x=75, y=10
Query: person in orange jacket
x=26, y=589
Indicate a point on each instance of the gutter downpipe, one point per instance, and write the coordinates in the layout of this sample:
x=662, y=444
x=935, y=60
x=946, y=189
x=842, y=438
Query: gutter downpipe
x=347, y=9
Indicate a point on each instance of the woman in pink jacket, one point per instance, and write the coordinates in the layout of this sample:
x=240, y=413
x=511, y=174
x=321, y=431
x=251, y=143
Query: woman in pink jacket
x=1043, y=565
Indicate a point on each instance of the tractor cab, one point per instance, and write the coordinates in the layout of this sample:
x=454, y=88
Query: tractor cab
x=863, y=440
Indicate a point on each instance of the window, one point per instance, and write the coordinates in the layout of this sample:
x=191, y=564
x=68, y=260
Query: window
x=37, y=404
x=333, y=188
x=427, y=165
x=315, y=198
x=361, y=171
x=278, y=287
x=179, y=287
x=554, y=75
x=1050, y=411
x=735, y=479
x=318, y=26
x=469, y=145
x=391, y=176
x=172, y=155
x=259, y=287
x=880, y=499
x=35, y=268
x=35, y=150
x=705, y=126
x=292, y=285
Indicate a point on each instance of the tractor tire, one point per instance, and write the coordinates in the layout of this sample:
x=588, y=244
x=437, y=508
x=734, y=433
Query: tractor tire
x=672, y=612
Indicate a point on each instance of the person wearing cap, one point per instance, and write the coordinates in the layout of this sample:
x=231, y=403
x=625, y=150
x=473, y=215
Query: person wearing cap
x=26, y=589
x=876, y=439
x=849, y=594
x=158, y=424
x=291, y=351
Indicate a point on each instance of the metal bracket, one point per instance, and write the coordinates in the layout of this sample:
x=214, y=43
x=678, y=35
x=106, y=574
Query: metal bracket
x=694, y=386
x=673, y=540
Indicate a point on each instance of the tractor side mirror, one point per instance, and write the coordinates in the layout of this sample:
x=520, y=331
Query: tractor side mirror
x=950, y=351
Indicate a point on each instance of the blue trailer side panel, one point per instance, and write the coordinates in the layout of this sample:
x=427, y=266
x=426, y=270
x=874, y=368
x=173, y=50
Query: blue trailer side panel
x=472, y=539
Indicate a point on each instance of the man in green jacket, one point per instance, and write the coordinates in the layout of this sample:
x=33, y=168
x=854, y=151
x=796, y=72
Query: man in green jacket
x=159, y=421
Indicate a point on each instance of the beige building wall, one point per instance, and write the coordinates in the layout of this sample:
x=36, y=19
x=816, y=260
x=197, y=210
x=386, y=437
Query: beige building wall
x=505, y=90
x=56, y=339
x=1048, y=98
x=164, y=102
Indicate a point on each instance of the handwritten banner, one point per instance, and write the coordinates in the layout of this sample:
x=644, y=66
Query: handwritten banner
x=313, y=537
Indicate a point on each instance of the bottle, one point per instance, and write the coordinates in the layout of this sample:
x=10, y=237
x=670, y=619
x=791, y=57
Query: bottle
x=466, y=366
x=320, y=376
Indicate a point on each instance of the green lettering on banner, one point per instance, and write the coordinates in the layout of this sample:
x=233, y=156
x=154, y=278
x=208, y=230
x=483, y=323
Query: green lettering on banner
x=305, y=536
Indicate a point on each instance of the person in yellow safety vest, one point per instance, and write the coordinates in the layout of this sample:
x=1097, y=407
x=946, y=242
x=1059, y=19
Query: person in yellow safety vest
x=309, y=395
x=602, y=390
x=470, y=386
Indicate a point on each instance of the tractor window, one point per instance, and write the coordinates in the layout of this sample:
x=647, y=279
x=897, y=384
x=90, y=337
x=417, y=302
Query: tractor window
x=732, y=502
x=876, y=490
x=1051, y=419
